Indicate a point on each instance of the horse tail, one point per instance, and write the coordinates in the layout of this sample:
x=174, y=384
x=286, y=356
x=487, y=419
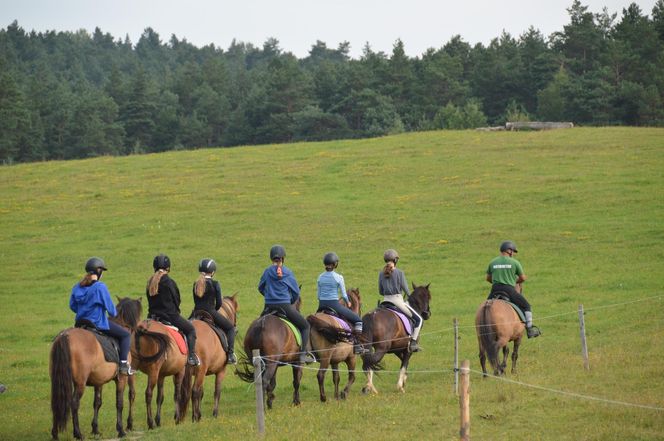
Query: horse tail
x=62, y=383
x=161, y=340
x=185, y=390
x=370, y=360
x=488, y=335
x=245, y=368
x=252, y=340
x=329, y=331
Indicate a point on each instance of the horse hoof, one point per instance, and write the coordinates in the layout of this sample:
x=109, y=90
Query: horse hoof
x=323, y=399
x=343, y=395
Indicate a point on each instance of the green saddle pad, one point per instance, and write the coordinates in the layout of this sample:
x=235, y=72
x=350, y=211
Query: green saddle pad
x=298, y=336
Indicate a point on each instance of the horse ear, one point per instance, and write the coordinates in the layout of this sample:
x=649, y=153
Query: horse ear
x=413, y=283
x=428, y=284
x=140, y=299
x=118, y=297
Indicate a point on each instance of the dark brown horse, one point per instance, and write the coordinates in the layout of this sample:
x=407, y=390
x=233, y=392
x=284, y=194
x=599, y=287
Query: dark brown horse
x=213, y=361
x=278, y=346
x=385, y=332
x=77, y=360
x=332, y=345
x=497, y=324
x=156, y=353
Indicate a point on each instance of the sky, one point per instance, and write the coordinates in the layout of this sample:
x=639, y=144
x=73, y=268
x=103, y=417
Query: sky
x=299, y=24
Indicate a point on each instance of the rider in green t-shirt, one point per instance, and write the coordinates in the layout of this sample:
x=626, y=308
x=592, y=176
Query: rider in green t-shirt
x=506, y=275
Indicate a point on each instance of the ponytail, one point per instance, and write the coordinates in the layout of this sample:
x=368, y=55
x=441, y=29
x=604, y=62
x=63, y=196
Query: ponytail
x=280, y=264
x=389, y=267
x=199, y=286
x=88, y=280
x=153, y=283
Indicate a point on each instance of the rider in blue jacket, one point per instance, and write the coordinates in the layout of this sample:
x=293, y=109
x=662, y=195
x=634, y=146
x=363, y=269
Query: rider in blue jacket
x=91, y=301
x=281, y=292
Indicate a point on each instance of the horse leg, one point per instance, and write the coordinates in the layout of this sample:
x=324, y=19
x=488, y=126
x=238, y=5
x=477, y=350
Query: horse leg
x=350, y=363
x=336, y=378
x=197, y=395
x=120, y=383
x=483, y=361
x=270, y=382
x=403, y=375
x=149, y=391
x=75, y=404
x=177, y=390
x=217, y=392
x=96, y=405
x=322, y=370
x=160, y=400
x=515, y=354
x=297, y=377
x=132, y=397
x=369, y=387
x=506, y=351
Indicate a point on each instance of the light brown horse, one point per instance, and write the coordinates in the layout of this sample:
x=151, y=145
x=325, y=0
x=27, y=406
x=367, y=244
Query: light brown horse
x=77, y=360
x=156, y=353
x=213, y=361
x=278, y=346
x=332, y=345
x=497, y=324
x=385, y=332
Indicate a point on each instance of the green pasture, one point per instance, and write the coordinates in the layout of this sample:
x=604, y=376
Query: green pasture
x=585, y=206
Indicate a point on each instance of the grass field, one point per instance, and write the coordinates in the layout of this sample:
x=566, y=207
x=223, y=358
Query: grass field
x=585, y=207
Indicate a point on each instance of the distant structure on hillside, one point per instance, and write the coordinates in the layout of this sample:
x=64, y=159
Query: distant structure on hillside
x=528, y=125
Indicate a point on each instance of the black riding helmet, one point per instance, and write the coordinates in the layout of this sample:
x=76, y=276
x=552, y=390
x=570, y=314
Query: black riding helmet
x=330, y=259
x=508, y=245
x=207, y=266
x=277, y=252
x=161, y=262
x=94, y=265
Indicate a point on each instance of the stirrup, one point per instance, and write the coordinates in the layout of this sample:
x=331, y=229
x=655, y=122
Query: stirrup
x=533, y=331
x=125, y=369
x=231, y=359
x=413, y=346
x=307, y=358
x=193, y=360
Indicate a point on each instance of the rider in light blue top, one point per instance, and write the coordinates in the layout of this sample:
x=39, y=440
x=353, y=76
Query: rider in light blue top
x=329, y=284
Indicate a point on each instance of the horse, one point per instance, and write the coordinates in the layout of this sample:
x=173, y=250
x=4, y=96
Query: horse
x=213, y=361
x=77, y=360
x=497, y=324
x=278, y=346
x=332, y=345
x=155, y=352
x=385, y=332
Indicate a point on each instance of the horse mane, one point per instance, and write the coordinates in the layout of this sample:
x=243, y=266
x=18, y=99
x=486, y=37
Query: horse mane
x=129, y=312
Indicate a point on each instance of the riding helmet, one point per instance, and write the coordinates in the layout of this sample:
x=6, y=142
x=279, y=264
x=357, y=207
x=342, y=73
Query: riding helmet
x=330, y=259
x=161, y=262
x=391, y=256
x=277, y=252
x=94, y=264
x=508, y=245
x=207, y=266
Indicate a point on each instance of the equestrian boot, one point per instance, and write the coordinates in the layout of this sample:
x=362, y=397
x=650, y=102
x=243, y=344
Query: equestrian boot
x=531, y=331
x=413, y=346
x=358, y=348
x=125, y=368
x=231, y=358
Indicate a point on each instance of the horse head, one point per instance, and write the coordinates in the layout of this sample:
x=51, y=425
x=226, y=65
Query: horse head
x=420, y=299
x=129, y=312
x=355, y=300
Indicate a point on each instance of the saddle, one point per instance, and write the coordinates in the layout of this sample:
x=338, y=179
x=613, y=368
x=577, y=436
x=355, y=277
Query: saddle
x=499, y=295
x=343, y=323
x=206, y=317
x=109, y=345
x=408, y=323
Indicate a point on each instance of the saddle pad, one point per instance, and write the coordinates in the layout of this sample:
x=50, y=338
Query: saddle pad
x=403, y=317
x=179, y=339
x=518, y=311
x=341, y=322
x=298, y=336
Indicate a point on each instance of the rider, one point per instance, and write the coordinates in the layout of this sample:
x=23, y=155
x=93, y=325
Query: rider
x=90, y=300
x=207, y=297
x=506, y=275
x=329, y=284
x=164, y=303
x=391, y=284
x=281, y=291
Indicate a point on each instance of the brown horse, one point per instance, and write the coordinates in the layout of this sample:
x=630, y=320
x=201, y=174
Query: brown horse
x=497, y=324
x=77, y=360
x=385, y=332
x=155, y=352
x=213, y=361
x=278, y=346
x=332, y=345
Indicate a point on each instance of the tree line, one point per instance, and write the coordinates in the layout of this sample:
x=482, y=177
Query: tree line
x=67, y=95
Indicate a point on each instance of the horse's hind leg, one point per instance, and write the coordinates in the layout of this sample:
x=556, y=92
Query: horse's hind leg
x=149, y=391
x=75, y=404
x=483, y=361
x=132, y=397
x=297, y=377
x=369, y=387
x=515, y=355
x=270, y=382
x=350, y=363
x=336, y=378
x=506, y=351
x=217, y=392
x=120, y=384
x=160, y=400
x=96, y=405
x=322, y=370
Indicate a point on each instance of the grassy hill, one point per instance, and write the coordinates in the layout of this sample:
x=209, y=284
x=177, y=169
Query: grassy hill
x=585, y=207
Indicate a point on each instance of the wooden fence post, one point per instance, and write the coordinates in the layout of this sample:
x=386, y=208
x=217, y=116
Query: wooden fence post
x=258, y=383
x=464, y=401
x=584, y=346
x=456, y=357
